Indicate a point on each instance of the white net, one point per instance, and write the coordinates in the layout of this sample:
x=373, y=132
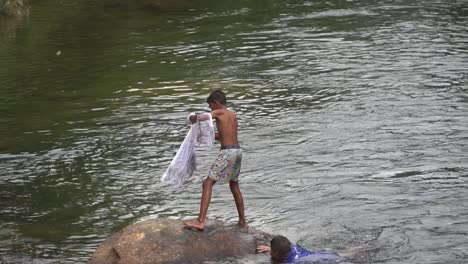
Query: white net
x=183, y=165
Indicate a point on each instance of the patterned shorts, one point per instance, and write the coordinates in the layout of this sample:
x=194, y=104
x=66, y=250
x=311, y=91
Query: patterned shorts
x=227, y=165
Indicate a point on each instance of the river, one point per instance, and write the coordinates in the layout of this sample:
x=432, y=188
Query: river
x=353, y=122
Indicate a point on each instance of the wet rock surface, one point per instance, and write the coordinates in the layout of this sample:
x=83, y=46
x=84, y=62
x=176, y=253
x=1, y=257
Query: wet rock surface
x=168, y=241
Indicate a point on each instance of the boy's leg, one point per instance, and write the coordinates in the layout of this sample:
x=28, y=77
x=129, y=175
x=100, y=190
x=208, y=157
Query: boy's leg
x=199, y=223
x=234, y=185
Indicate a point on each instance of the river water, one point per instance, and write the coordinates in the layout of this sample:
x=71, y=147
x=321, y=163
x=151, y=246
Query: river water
x=353, y=121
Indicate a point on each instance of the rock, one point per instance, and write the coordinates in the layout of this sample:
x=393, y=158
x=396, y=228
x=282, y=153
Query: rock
x=14, y=8
x=168, y=241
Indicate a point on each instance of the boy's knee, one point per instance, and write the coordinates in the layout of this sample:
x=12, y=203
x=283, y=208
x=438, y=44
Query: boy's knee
x=208, y=182
x=234, y=185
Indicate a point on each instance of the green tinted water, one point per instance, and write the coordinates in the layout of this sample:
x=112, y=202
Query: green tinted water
x=352, y=120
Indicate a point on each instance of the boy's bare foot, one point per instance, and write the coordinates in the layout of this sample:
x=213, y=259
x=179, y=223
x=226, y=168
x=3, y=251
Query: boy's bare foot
x=195, y=224
x=243, y=224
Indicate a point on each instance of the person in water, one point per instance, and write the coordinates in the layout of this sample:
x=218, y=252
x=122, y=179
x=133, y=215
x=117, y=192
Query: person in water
x=283, y=251
x=228, y=163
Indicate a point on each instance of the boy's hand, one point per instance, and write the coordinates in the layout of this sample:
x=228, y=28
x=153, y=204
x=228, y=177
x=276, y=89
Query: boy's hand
x=263, y=249
x=193, y=118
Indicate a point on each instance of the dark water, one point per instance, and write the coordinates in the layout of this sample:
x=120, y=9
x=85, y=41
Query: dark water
x=353, y=120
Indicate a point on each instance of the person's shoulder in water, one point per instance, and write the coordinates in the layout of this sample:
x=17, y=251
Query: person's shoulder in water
x=283, y=251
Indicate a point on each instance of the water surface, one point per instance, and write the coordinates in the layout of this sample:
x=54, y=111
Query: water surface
x=353, y=121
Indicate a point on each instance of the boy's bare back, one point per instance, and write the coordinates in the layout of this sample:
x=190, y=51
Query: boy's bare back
x=226, y=122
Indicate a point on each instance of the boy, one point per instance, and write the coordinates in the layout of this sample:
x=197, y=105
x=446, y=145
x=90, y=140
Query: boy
x=227, y=165
x=283, y=251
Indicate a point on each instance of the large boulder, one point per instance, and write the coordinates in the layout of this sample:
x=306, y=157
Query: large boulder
x=168, y=241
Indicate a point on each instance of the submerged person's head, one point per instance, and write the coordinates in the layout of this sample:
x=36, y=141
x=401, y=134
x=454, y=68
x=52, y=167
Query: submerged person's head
x=280, y=248
x=216, y=100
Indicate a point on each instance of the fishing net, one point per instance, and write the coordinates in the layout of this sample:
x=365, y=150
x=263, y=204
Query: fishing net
x=183, y=165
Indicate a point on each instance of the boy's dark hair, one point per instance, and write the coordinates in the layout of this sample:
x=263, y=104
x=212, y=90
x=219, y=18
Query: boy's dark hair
x=217, y=95
x=281, y=246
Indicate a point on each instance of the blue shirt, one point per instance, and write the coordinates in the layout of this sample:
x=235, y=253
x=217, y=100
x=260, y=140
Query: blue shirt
x=296, y=253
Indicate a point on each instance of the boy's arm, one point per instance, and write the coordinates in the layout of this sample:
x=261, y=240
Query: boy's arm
x=201, y=117
x=205, y=116
x=215, y=114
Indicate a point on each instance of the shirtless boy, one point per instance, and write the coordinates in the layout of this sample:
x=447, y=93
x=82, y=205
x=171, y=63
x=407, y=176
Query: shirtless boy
x=228, y=163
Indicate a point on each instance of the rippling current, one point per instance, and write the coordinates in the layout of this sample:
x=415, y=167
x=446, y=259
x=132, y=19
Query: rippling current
x=353, y=121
